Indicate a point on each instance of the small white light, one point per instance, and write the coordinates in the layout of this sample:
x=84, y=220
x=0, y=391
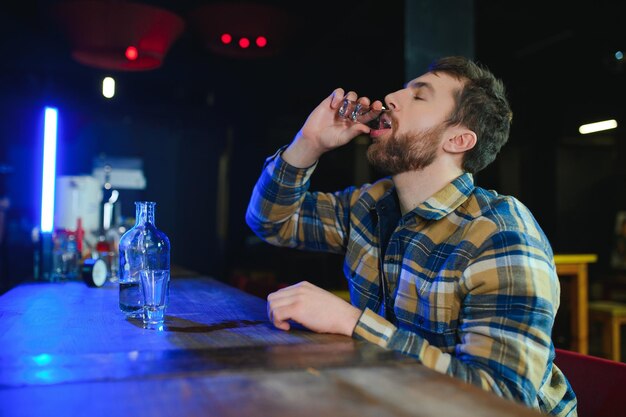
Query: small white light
x=619, y=55
x=598, y=126
x=108, y=87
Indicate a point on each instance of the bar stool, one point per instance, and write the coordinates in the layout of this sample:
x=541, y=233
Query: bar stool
x=612, y=315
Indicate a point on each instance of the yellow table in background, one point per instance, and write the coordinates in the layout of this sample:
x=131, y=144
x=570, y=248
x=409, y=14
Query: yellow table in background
x=574, y=267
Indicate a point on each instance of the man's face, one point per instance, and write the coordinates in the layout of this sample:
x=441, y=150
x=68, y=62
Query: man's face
x=418, y=114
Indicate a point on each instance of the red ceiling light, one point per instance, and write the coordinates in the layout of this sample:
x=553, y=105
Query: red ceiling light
x=242, y=20
x=226, y=38
x=244, y=43
x=131, y=53
x=101, y=31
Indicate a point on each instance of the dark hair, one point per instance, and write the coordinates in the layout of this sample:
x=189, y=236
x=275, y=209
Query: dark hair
x=481, y=106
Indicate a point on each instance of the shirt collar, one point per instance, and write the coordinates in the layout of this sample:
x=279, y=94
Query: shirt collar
x=446, y=200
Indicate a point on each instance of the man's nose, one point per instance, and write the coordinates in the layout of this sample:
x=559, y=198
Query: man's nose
x=391, y=101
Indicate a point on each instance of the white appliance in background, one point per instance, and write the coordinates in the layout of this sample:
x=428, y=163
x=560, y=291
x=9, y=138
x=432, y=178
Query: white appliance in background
x=77, y=196
x=123, y=173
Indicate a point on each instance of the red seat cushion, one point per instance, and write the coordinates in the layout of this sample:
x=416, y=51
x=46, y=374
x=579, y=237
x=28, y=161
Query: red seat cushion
x=599, y=384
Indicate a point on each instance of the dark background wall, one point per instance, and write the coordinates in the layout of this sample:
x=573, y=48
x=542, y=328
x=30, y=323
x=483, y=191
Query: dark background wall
x=559, y=65
x=555, y=59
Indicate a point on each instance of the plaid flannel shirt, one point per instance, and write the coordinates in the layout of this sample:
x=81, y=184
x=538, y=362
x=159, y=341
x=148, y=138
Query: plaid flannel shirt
x=465, y=282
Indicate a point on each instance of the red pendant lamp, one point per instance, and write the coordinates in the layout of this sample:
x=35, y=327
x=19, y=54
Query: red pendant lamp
x=117, y=35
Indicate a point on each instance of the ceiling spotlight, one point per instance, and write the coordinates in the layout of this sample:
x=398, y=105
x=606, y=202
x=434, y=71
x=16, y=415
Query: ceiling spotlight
x=226, y=38
x=619, y=55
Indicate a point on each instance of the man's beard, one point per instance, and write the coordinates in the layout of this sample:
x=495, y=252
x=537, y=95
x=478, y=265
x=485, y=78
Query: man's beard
x=405, y=152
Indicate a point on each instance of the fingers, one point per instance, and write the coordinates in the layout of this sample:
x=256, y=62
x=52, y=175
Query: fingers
x=286, y=304
x=338, y=95
x=356, y=109
x=288, y=291
x=378, y=105
x=313, y=308
x=280, y=313
x=352, y=96
x=364, y=101
x=356, y=129
x=336, y=98
x=277, y=303
x=280, y=320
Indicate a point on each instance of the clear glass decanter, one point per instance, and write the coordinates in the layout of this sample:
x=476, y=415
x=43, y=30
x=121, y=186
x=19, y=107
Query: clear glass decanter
x=142, y=248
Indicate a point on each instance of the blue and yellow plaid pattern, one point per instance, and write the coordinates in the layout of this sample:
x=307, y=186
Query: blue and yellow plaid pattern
x=465, y=282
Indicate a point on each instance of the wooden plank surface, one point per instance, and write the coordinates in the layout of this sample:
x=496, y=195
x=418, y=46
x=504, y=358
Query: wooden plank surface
x=380, y=391
x=67, y=350
x=72, y=318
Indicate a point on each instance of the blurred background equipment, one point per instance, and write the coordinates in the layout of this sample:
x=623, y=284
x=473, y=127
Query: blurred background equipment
x=78, y=197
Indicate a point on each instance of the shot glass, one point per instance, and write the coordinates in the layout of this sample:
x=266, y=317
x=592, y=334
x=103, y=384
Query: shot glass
x=359, y=113
x=155, y=286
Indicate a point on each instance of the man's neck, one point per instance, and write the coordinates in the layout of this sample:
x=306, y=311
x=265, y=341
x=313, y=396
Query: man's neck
x=415, y=187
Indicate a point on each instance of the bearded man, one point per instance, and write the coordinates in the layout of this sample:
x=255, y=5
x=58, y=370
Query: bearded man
x=461, y=278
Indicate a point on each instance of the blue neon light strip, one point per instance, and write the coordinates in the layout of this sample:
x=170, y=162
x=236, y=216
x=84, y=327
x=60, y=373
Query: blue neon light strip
x=49, y=169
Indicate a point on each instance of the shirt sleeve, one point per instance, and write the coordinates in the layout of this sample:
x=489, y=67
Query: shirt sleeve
x=510, y=295
x=284, y=213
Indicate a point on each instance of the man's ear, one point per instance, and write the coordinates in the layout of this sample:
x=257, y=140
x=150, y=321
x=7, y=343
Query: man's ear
x=460, y=142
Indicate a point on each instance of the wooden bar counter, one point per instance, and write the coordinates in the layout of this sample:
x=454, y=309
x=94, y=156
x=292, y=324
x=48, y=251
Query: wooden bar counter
x=66, y=350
